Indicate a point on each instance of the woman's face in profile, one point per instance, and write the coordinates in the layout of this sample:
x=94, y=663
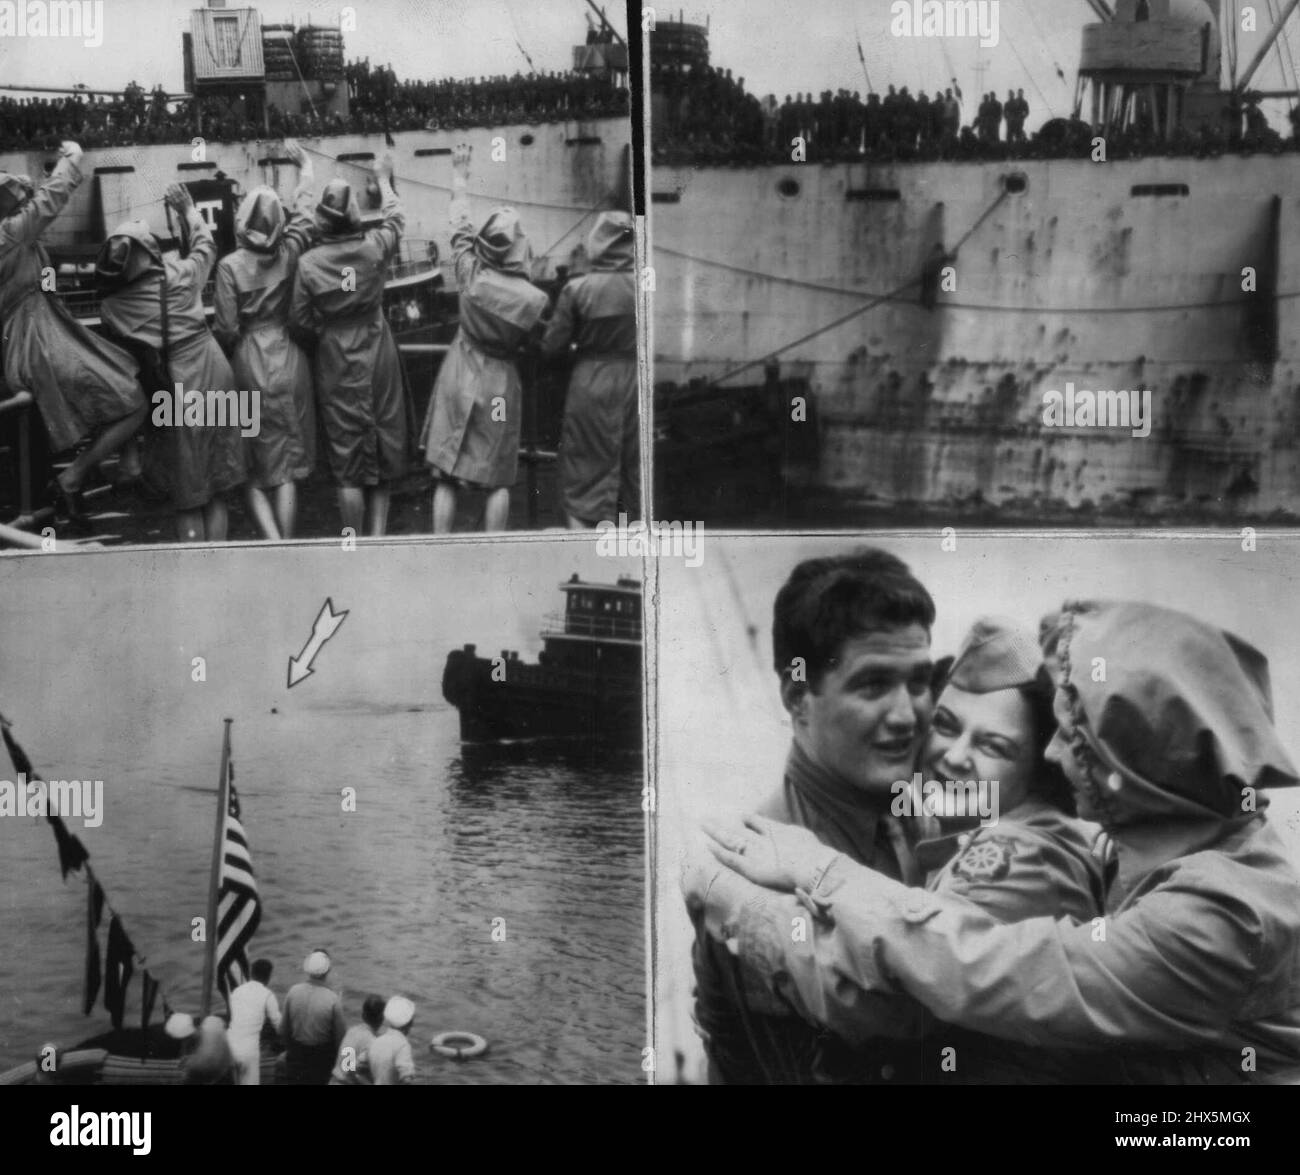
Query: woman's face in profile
x=1061, y=751
x=983, y=736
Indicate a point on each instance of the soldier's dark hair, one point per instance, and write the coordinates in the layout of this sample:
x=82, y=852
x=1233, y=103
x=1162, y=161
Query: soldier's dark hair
x=261, y=970
x=826, y=602
x=372, y=1010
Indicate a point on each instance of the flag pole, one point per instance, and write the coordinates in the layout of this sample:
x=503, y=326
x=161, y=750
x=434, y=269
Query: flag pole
x=214, y=880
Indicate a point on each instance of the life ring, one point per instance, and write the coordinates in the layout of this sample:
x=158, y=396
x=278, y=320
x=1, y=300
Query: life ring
x=459, y=1045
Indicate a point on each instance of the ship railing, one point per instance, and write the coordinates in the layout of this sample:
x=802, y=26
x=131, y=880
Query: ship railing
x=558, y=624
x=415, y=257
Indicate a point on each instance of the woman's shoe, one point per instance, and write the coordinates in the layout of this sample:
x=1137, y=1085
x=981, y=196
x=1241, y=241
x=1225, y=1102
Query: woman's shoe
x=67, y=505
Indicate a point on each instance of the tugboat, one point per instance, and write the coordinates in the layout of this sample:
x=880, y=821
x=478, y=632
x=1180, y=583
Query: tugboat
x=586, y=683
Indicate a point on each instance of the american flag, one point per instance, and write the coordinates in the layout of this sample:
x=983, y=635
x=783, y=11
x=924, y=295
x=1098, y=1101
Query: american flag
x=239, y=909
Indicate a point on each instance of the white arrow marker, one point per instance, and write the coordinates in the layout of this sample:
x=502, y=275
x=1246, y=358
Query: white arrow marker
x=327, y=624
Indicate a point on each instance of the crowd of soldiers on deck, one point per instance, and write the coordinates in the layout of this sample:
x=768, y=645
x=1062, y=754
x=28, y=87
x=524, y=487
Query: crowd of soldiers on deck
x=487, y=101
x=378, y=102
x=706, y=114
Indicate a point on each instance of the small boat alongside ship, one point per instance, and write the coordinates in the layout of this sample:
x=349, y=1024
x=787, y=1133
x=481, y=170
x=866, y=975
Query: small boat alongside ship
x=586, y=683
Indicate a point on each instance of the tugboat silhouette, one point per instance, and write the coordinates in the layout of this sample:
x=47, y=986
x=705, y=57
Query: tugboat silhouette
x=585, y=685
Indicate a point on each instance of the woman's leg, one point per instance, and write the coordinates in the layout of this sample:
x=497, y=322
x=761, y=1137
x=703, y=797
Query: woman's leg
x=260, y=506
x=130, y=465
x=216, y=519
x=377, y=498
x=286, y=508
x=189, y=526
x=352, y=507
x=103, y=446
x=444, y=507
x=496, y=511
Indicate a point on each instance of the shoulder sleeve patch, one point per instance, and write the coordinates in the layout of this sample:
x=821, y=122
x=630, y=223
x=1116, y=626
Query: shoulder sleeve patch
x=985, y=859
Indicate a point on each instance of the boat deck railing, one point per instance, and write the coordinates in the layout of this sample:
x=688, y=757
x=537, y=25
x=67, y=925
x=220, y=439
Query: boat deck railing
x=616, y=628
x=416, y=261
x=415, y=258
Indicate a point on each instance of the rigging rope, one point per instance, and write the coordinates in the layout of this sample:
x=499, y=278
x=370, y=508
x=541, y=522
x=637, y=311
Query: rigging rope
x=1279, y=45
x=589, y=212
x=778, y=279
x=860, y=310
x=1033, y=81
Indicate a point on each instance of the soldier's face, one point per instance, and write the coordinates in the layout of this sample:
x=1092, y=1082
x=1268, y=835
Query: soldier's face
x=986, y=736
x=868, y=716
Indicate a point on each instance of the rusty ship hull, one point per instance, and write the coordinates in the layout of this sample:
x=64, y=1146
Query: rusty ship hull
x=1119, y=275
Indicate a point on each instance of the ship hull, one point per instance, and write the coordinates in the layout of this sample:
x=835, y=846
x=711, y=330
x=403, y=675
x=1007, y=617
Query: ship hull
x=1126, y=275
x=510, y=699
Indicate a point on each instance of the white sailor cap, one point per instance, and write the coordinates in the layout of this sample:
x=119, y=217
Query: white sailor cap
x=180, y=1026
x=317, y=964
x=399, y=1011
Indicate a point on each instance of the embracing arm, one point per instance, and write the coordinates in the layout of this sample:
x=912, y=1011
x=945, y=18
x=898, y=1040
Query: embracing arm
x=1174, y=970
x=773, y=934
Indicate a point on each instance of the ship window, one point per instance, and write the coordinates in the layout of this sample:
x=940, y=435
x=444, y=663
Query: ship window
x=787, y=187
x=665, y=197
x=422, y=152
x=1159, y=190
x=1015, y=183
x=527, y=140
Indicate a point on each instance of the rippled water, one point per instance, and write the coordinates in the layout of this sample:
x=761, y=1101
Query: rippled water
x=403, y=891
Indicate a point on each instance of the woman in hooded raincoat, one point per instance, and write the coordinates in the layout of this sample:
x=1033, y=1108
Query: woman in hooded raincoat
x=600, y=448
x=1189, y=977
x=83, y=385
x=201, y=455
x=253, y=287
x=471, y=432
x=338, y=309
